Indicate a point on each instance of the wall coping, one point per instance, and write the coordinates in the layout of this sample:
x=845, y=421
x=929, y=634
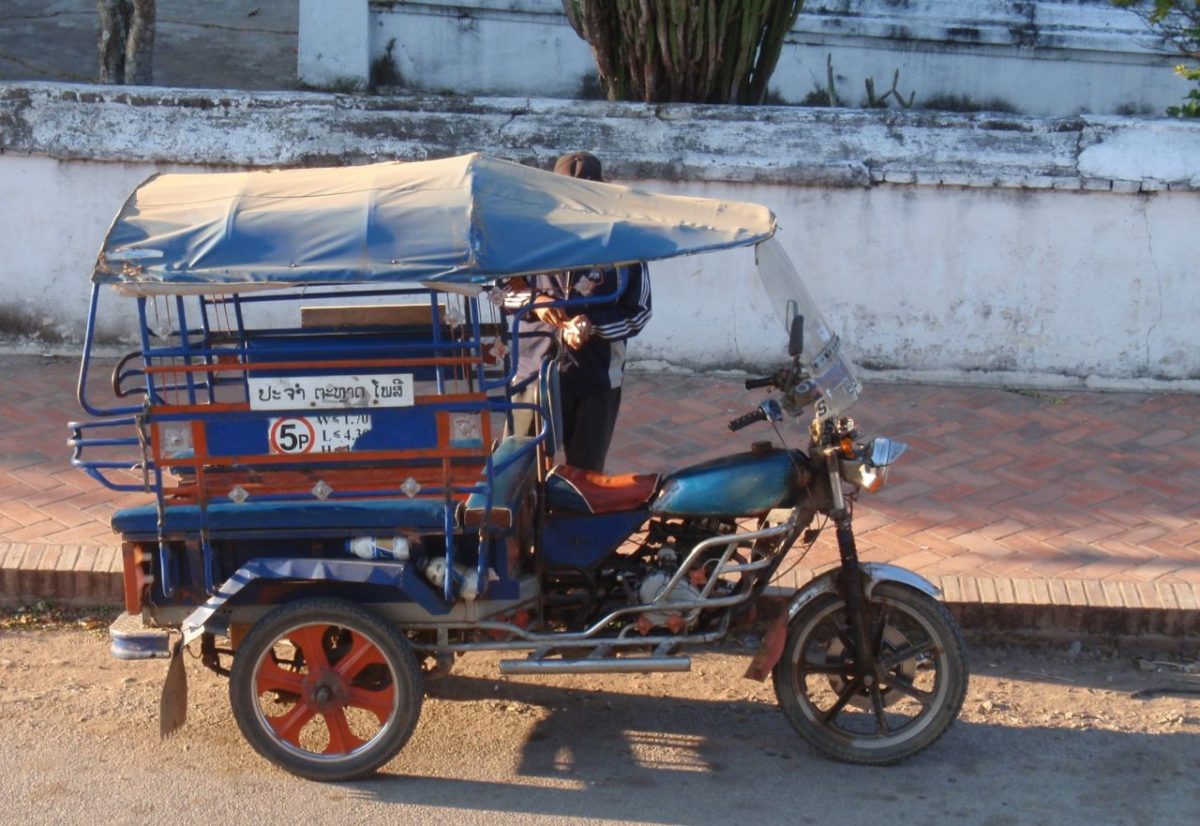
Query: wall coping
x=831, y=147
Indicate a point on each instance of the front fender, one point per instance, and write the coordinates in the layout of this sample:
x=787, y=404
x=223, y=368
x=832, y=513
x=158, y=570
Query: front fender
x=771, y=648
x=873, y=574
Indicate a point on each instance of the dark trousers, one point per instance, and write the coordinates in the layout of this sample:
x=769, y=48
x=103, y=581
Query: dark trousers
x=589, y=420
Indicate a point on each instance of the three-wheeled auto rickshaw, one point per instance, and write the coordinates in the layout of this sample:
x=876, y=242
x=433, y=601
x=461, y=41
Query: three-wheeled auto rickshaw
x=318, y=413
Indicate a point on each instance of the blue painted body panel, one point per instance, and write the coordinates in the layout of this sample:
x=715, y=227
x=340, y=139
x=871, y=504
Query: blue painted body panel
x=738, y=485
x=585, y=540
x=562, y=496
x=246, y=434
x=398, y=575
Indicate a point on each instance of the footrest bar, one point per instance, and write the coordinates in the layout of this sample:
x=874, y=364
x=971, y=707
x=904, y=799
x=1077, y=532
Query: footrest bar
x=607, y=665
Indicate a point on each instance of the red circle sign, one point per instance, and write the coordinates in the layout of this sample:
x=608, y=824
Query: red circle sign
x=294, y=435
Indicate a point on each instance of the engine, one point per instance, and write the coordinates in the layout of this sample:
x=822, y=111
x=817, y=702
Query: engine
x=641, y=576
x=654, y=585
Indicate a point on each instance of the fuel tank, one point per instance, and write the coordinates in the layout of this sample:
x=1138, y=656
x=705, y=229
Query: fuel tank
x=744, y=484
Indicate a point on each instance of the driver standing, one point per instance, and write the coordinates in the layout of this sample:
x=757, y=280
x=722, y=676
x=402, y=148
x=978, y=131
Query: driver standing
x=592, y=360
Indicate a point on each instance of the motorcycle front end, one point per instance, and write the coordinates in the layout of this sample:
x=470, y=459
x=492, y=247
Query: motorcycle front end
x=868, y=665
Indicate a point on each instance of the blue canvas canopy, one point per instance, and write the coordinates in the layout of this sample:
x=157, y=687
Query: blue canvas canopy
x=468, y=219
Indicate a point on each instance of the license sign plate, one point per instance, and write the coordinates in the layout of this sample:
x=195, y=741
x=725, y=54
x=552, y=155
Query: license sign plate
x=331, y=392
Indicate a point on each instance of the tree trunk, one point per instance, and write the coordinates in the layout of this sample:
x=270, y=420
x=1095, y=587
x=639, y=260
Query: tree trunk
x=139, y=46
x=114, y=23
x=126, y=46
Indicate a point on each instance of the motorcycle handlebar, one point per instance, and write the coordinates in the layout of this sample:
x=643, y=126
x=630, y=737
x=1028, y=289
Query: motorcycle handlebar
x=747, y=420
x=753, y=384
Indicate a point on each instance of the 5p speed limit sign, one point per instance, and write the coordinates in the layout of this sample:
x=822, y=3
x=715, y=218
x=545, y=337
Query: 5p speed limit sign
x=292, y=435
x=298, y=435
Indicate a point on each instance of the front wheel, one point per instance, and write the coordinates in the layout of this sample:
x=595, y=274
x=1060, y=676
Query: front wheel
x=915, y=693
x=325, y=689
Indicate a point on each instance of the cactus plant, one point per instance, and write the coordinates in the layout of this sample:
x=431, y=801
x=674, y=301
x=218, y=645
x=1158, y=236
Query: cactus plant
x=700, y=51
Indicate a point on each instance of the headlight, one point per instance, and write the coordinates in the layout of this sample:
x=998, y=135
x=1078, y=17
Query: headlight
x=862, y=475
x=868, y=466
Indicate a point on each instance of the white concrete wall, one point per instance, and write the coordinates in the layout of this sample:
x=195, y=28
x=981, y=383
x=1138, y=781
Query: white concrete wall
x=955, y=248
x=334, y=47
x=54, y=216
x=960, y=284
x=484, y=47
x=1047, y=57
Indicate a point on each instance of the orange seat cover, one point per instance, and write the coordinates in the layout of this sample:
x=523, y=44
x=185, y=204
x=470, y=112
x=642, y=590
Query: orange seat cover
x=609, y=494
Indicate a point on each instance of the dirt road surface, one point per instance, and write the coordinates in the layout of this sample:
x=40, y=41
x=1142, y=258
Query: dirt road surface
x=1044, y=738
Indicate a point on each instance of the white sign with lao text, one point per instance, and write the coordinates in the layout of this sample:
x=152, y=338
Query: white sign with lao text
x=330, y=392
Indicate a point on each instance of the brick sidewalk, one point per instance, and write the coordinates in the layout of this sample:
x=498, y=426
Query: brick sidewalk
x=1063, y=500
x=1059, y=500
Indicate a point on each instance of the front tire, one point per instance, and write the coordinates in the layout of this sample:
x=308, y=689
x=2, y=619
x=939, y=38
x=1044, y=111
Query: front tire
x=916, y=693
x=325, y=689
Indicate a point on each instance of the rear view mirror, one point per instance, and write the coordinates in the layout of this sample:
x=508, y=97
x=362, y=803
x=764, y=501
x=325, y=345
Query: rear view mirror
x=882, y=452
x=796, y=336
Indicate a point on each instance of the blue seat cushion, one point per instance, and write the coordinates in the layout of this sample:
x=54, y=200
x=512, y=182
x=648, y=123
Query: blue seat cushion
x=511, y=460
x=361, y=514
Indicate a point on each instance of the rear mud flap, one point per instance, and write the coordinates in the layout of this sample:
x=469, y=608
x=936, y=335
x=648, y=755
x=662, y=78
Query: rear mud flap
x=172, y=704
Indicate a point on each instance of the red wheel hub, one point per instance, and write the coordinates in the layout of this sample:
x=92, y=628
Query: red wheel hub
x=327, y=689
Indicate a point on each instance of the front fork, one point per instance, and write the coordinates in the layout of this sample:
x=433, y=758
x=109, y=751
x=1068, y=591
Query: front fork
x=850, y=582
x=850, y=578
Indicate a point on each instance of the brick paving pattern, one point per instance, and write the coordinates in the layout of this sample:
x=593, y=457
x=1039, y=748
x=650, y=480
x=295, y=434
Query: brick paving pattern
x=1028, y=498
x=1004, y=497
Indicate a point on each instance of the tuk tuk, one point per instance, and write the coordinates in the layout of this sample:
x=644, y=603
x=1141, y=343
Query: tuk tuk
x=319, y=413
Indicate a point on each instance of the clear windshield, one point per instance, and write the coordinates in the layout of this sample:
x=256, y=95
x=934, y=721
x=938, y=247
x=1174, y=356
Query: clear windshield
x=833, y=387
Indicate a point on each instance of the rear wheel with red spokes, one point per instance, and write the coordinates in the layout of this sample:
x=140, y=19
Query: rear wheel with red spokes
x=325, y=689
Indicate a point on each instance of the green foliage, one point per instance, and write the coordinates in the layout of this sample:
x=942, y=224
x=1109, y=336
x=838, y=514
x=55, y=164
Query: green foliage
x=1159, y=10
x=1190, y=108
x=1178, y=22
x=718, y=51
